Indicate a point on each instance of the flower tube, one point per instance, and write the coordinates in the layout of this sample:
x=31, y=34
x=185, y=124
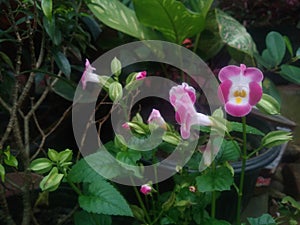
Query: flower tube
x=88, y=75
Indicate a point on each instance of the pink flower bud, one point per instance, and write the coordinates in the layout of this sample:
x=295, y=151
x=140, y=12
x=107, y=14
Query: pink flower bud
x=146, y=189
x=141, y=75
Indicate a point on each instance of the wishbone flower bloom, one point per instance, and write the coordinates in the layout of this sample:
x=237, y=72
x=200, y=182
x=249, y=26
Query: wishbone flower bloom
x=183, y=97
x=156, y=118
x=141, y=75
x=146, y=189
x=88, y=75
x=240, y=88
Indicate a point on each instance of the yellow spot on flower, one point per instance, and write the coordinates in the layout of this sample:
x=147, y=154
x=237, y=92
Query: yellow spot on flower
x=238, y=100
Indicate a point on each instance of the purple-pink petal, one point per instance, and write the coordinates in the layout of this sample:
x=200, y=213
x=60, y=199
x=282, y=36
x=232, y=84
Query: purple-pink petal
x=223, y=90
x=255, y=93
x=237, y=110
x=229, y=71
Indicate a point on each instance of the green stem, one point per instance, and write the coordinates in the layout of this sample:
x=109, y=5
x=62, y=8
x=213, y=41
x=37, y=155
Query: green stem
x=141, y=202
x=214, y=195
x=73, y=186
x=196, y=42
x=242, y=178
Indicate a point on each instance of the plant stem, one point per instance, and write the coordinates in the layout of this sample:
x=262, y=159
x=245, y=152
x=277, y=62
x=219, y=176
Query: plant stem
x=214, y=194
x=242, y=178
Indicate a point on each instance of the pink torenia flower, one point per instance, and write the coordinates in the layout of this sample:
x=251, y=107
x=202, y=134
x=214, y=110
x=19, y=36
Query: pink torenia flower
x=183, y=97
x=156, y=118
x=240, y=88
x=141, y=75
x=146, y=189
x=88, y=75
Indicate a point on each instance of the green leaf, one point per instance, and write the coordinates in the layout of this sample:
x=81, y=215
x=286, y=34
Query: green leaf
x=53, y=155
x=115, y=91
x=129, y=157
x=268, y=105
x=265, y=219
x=212, y=221
x=64, y=88
x=230, y=151
x=52, y=180
x=276, y=46
x=52, y=30
x=298, y=53
x=62, y=62
x=234, y=34
x=85, y=218
x=291, y=73
x=201, y=6
x=275, y=138
x=11, y=161
x=219, y=180
x=6, y=60
x=170, y=17
x=238, y=127
x=47, y=8
x=120, y=142
x=270, y=88
x=90, y=168
x=116, y=67
x=41, y=165
x=65, y=156
x=291, y=201
x=117, y=16
x=288, y=45
x=103, y=198
x=2, y=172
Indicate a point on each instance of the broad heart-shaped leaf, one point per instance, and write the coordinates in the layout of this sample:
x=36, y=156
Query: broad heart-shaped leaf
x=170, y=17
x=85, y=218
x=276, y=46
x=103, y=198
x=265, y=219
x=119, y=17
x=291, y=73
x=90, y=168
x=201, y=6
x=220, y=179
x=234, y=34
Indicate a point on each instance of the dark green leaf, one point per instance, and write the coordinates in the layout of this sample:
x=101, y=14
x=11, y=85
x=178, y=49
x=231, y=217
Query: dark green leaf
x=117, y=16
x=62, y=62
x=169, y=17
x=129, y=157
x=47, y=8
x=265, y=219
x=64, y=88
x=52, y=30
x=270, y=88
x=219, y=180
x=238, y=127
x=212, y=221
x=6, y=60
x=230, y=151
x=103, y=198
x=85, y=218
x=291, y=73
x=298, y=53
x=276, y=46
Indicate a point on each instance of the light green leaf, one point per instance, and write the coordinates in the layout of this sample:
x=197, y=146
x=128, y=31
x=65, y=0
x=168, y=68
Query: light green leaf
x=268, y=105
x=119, y=17
x=298, y=53
x=52, y=181
x=47, y=8
x=234, y=34
x=129, y=157
x=52, y=30
x=2, y=172
x=291, y=201
x=170, y=17
x=265, y=219
x=53, y=155
x=219, y=180
x=291, y=73
x=103, y=198
x=62, y=62
x=85, y=218
x=275, y=138
x=201, y=6
x=115, y=91
x=11, y=161
x=41, y=165
x=275, y=46
x=116, y=67
x=288, y=45
x=65, y=156
x=120, y=142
